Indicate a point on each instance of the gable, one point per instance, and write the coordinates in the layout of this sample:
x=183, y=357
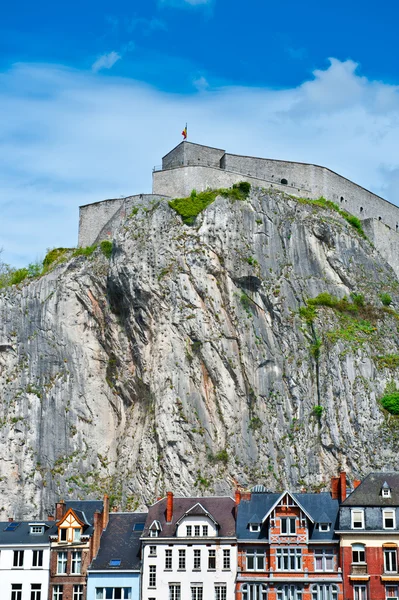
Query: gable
x=70, y=519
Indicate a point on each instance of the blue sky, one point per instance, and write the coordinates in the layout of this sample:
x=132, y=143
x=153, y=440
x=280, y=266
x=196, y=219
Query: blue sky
x=92, y=94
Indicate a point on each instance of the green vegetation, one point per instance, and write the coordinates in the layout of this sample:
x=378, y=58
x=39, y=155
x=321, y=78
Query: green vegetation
x=391, y=402
x=315, y=348
x=323, y=203
x=189, y=208
x=106, y=248
x=255, y=423
x=221, y=456
x=87, y=251
x=252, y=261
x=54, y=255
x=385, y=299
x=388, y=361
x=246, y=303
x=318, y=411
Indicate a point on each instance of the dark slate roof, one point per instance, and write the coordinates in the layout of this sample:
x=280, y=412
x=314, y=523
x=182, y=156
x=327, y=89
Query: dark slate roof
x=368, y=493
x=221, y=509
x=321, y=507
x=22, y=535
x=85, y=509
x=120, y=542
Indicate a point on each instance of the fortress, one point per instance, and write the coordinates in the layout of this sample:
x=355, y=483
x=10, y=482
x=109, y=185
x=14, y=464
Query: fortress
x=193, y=166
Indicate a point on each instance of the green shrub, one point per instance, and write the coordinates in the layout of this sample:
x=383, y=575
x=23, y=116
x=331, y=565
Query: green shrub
x=246, y=302
x=385, y=299
x=318, y=411
x=308, y=313
x=324, y=299
x=18, y=276
x=53, y=255
x=323, y=203
x=252, y=261
x=388, y=361
x=391, y=403
x=315, y=348
x=221, y=456
x=87, y=251
x=255, y=423
x=106, y=248
x=357, y=299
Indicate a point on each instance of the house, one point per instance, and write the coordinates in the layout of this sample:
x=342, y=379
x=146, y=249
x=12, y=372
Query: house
x=287, y=547
x=369, y=532
x=115, y=572
x=189, y=549
x=25, y=559
x=75, y=542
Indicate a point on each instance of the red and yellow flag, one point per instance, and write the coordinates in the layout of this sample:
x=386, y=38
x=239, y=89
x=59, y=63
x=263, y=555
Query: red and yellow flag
x=184, y=132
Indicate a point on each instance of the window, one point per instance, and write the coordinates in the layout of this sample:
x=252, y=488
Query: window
x=226, y=559
x=168, y=560
x=174, y=591
x=153, y=533
x=324, y=592
x=35, y=591
x=37, y=558
x=152, y=581
x=77, y=534
x=117, y=593
x=182, y=560
x=386, y=492
x=18, y=561
x=288, y=525
x=220, y=591
x=63, y=535
x=197, y=559
x=388, y=519
x=205, y=530
x=211, y=560
x=36, y=529
x=16, y=591
x=357, y=519
x=284, y=181
x=324, y=560
x=255, y=560
x=78, y=592
x=390, y=561
x=76, y=562
x=62, y=562
x=58, y=592
x=254, y=527
x=197, y=530
x=358, y=553
x=359, y=592
x=196, y=591
x=254, y=591
x=289, y=559
x=153, y=550
x=115, y=562
x=189, y=531
x=391, y=591
x=324, y=527
x=289, y=592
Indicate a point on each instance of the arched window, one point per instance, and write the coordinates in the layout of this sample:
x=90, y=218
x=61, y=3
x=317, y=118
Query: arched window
x=358, y=553
x=380, y=218
x=361, y=209
x=342, y=198
x=284, y=181
x=254, y=591
x=324, y=592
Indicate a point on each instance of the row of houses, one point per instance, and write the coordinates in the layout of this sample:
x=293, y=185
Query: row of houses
x=259, y=545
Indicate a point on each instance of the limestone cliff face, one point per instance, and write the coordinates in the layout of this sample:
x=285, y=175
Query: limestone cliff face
x=183, y=362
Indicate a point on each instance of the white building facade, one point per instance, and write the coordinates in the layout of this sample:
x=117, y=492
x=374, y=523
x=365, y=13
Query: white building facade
x=24, y=560
x=189, y=550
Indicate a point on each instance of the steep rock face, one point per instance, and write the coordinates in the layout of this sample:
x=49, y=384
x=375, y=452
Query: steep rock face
x=183, y=362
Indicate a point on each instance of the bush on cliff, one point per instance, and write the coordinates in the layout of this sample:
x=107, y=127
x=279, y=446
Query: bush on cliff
x=391, y=402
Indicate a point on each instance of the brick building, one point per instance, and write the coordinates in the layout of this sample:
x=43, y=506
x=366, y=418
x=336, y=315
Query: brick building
x=369, y=532
x=287, y=546
x=79, y=525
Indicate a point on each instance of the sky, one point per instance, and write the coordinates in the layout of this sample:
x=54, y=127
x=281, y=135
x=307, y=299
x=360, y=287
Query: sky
x=93, y=94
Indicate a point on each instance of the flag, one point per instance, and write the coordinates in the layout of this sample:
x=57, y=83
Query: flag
x=184, y=132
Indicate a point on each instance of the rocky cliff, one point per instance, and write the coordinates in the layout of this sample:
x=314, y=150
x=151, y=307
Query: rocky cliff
x=194, y=358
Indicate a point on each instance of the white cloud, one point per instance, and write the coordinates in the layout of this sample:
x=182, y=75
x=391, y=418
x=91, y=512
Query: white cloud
x=184, y=3
x=106, y=61
x=73, y=137
x=201, y=83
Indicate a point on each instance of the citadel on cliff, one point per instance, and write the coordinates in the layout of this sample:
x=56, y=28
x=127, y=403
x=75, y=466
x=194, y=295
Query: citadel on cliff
x=193, y=166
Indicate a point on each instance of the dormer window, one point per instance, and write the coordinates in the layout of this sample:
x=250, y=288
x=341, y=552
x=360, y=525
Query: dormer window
x=324, y=526
x=155, y=528
x=63, y=535
x=37, y=529
x=254, y=527
x=385, y=490
x=77, y=532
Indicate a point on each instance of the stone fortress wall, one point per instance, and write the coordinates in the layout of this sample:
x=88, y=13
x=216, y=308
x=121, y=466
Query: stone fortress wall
x=193, y=166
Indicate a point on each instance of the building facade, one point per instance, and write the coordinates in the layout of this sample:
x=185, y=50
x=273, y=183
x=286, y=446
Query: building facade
x=75, y=542
x=189, y=549
x=25, y=559
x=115, y=572
x=287, y=547
x=369, y=533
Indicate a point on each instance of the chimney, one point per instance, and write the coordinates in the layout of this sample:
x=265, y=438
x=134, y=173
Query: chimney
x=246, y=495
x=356, y=483
x=60, y=510
x=237, y=497
x=50, y=517
x=105, y=511
x=10, y=519
x=169, y=507
x=96, y=537
x=335, y=488
x=342, y=486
